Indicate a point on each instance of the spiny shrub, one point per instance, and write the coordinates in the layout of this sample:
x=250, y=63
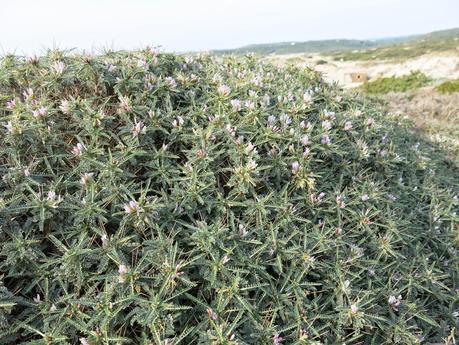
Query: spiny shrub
x=412, y=81
x=449, y=86
x=152, y=198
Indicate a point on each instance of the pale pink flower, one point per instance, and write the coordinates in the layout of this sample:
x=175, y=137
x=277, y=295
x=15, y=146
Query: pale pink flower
x=325, y=140
x=236, y=104
x=86, y=178
x=230, y=130
x=348, y=126
x=84, y=341
x=104, y=239
x=41, y=112
x=370, y=121
x=51, y=195
x=277, y=339
x=59, y=67
x=394, y=302
x=242, y=230
x=271, y=120
x=125, y=103
x=28, y=94
x=320, y=197
x=53, y=199
x=132, y=207
x=33, y=59
x=212, y=314
x=365, y=197
x=9, y=127
x=330, y=114
x=122, y=270
x=37, y=299
x=285, y=119
x=179, y=121
x=305, y=140
x=252, y=165
x=307, y=98
x=266, y=100
x=306, y=152
x=251, y=148
x=257, y=81
x=77, y=150
x=11, y=104
x=354, y=309
x=340, y=202
x=138, y=128
x=224, y=90
x=249, y=104
x=295, y=167
x=65, y=106
x=171, y=82
x=326, y=125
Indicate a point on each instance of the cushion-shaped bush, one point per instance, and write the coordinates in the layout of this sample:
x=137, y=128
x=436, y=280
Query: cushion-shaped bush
x=154, y=198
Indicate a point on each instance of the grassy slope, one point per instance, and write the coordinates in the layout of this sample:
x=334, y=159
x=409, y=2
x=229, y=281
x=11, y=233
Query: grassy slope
x=407, y=46
x=324, y=46
x=439, y=41
x=405, y=83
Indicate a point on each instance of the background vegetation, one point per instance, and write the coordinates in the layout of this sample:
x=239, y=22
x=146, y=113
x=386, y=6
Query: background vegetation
x=412, y=81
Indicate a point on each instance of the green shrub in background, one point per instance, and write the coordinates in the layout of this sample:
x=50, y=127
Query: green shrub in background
x=412, y=81
x=151, y=198
x=449, y=86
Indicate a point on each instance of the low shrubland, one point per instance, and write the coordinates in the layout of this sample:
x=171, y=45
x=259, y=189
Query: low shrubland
x=409, y=82
x=449, y=86
x=404, y=48
x=152, y=198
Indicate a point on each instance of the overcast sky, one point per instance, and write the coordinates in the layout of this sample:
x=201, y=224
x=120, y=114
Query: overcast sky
x=29, y=26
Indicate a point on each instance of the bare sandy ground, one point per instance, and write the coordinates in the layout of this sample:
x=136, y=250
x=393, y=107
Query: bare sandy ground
x=437, y=66
x=437, y=115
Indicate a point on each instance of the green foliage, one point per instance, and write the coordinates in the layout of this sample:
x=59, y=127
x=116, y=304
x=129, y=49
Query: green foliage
x=320, y=46
x=412, y=81
x=405, y=47
x=321, y=62
x=449, y=86
x=151, y=198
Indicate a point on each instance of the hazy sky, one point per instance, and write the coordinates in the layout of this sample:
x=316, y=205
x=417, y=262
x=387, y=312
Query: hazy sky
x=28, y=26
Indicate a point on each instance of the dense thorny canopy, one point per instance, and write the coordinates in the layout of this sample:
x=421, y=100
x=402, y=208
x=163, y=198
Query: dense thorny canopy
x=160, y=199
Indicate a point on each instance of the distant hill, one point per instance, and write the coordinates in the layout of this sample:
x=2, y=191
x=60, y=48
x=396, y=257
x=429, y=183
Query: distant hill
x=301, y=47
x=410, y=47
x=439, y=40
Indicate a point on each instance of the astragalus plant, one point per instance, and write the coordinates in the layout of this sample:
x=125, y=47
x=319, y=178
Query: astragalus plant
x=152, y=198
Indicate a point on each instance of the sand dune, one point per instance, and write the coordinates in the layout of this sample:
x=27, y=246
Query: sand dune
x=437, y=66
